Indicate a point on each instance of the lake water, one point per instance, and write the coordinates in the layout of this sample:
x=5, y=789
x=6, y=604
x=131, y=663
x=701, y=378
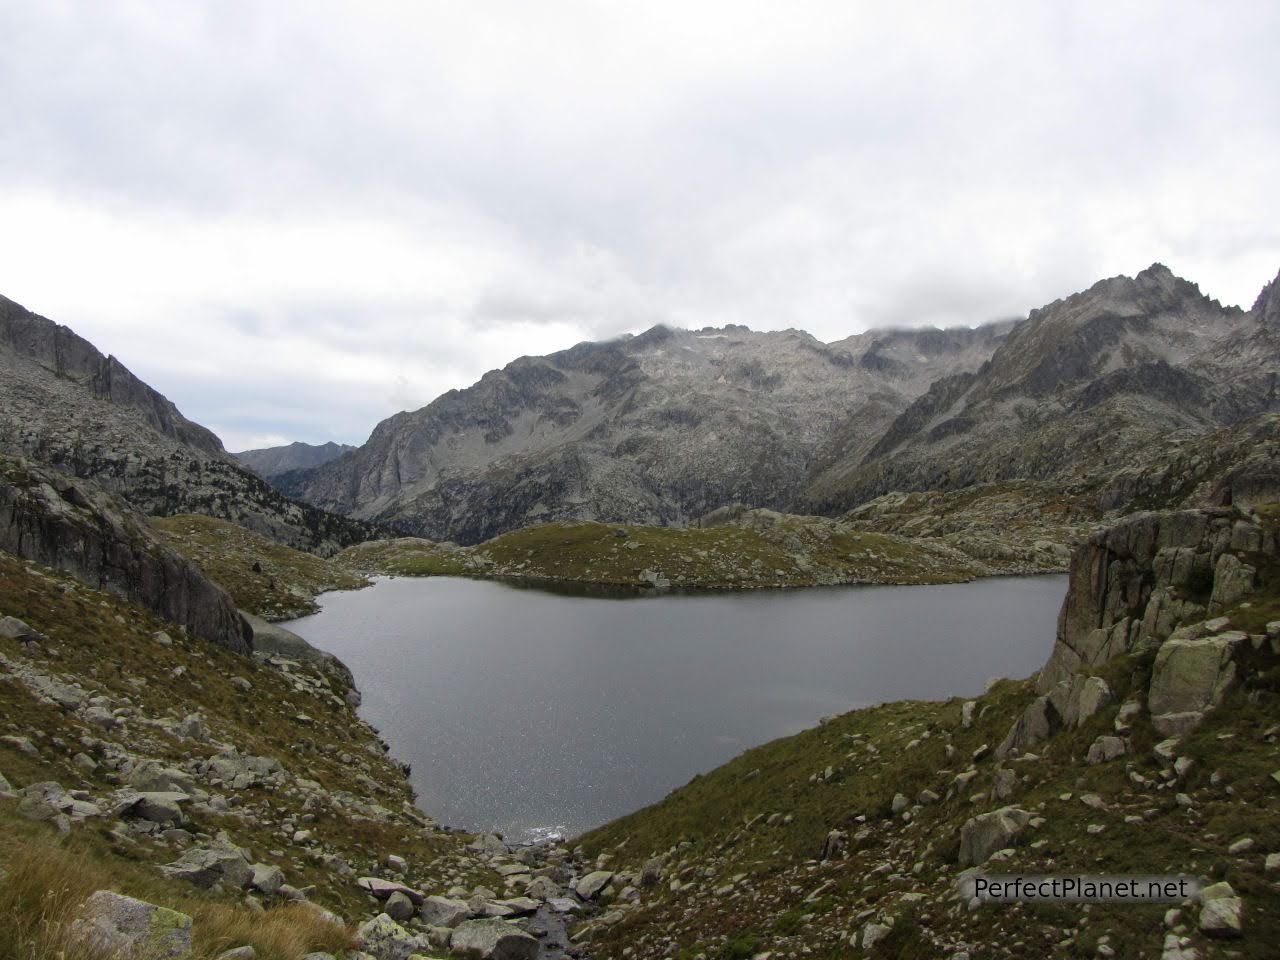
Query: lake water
x=533, y=713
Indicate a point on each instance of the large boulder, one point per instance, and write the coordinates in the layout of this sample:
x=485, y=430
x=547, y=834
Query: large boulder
x=153, y=775
x=385, y=939
x=382, y=889
x=444, y=912
x=1190, y=676
x=589, y=887
x=983, y=835
x=114, y=925
x=216, y=863
x=494, y=940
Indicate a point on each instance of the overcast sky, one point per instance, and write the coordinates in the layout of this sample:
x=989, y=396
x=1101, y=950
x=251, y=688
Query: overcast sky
x=295, y=219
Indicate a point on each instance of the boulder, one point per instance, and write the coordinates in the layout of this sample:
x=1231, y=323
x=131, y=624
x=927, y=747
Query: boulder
x=873, y=933
x=1221, y=911
x=543, y=888
x=1105, y=749
x=159, y=806
x=494, y=940
x=1190, y=677
x=398, y=907
x=444, y=912
x=207, y=865
x=12, y=628
x=589, y=887
x=489, y=843
x=1039, y=721
x=983, y=835
x=266, y=878
x=385, y=939
x=382, y=889
x=119, y=926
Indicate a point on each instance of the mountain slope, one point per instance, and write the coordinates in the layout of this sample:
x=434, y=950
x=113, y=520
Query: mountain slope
x=658, y=428
x=270, y=462
x=1077, y=390
x=64, y=404
x=849, y=839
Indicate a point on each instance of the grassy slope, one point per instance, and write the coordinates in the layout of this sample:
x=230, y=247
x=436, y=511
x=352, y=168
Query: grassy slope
x=767, y=550
x=108, y=644
x=702, y=830
x=266, y=578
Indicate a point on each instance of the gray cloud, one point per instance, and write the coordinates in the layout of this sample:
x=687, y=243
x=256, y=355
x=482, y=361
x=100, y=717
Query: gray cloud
x=294, y=218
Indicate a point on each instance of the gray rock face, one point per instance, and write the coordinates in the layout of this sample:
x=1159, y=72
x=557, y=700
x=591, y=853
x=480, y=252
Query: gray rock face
x=494, y=940
x=662, y=427
x=270, y=462
x=205, y=866
x=444, y=912
x=266, y=879
x=72, y=526
x=1221, y=912
x=1106, y=748
x=152, y=775
x=385, y=939
x=589, y=887
x=1133, y=584
x=983, y=835
x=1190, y=677
x=398, y=907
x=1116, y=367
x=65, y=405
x=125, y=927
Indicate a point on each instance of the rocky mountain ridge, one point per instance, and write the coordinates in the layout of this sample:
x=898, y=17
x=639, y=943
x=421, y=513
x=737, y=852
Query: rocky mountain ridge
x=1079, y=388
x=67, y=406
x=656, y=428
x=667, y=426
x=271, y=462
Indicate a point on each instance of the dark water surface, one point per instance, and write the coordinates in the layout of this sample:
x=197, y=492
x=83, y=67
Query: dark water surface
x=533, y=712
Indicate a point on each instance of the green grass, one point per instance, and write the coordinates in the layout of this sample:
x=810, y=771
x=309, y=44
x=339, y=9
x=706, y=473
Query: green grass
x=406, y=556
x=266, y=578
x=769, y=550
x=716, y=820
x=108, y=643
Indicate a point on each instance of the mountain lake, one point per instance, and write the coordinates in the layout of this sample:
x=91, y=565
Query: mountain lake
x=537, y=713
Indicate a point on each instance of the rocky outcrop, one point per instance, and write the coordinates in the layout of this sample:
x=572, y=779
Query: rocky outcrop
x=1134, y=584
x=72, y=526
x=1076, y=392
x=1192, y=674
x=64, y=405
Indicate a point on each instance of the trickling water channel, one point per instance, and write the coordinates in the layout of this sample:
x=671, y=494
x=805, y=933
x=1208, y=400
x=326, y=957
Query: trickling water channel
x=534, y=713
